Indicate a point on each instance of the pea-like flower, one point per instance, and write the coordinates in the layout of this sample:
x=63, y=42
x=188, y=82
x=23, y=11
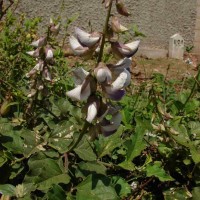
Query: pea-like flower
x=125, y=50
x=109, y=126
x=40, y=42
x=84, y=43
x=84, y=88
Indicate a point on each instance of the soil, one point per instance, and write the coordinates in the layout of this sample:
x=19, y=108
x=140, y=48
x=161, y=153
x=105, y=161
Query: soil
x=143, y=68
x=171, y=68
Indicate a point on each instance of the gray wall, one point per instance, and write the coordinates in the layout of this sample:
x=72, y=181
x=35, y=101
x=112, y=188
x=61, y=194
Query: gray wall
x=157, y=19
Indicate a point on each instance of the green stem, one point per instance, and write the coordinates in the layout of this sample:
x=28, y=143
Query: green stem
x=74, y=145
x=193, y=89
x=104, y=33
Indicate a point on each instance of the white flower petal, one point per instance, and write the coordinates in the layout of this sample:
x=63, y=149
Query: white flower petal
x=102, y=73
x=40, y=42
x=92, y=112
x=79, y=75
x=76, y=47
x=49, y=54
x=85, y=38
x=121, y=65
x=131, y=49
x=122, y=80
x=79, y=95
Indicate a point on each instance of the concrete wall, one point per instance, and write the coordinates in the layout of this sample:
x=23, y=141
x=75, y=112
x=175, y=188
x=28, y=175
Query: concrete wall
x=157, y=19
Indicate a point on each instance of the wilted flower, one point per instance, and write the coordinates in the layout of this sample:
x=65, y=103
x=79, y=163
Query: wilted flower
x=46, y=74
x=38, y=67
x=121, y=8
x=54, y=28
x=32, y=93
x=116, y=26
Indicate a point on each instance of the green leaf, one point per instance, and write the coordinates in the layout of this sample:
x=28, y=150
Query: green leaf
x=56, y=193
x=177, y=193
x=33, y=142
x=7, y=189
x=98, y=187
x=12, y=141
x=62, y=136
x=195, y=193
x=192, y=105
x=86, y=168
x=137, y=144
x=195, y=129
x=156, y=170
x=45, y=172
x=127, y=165
x=3, y=159
x=85, y=151
x=105, y=145
x=122, y=188
x=182, y=137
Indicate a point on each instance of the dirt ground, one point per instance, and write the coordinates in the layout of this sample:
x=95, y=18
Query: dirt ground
x=143, y=68
x=171, y=68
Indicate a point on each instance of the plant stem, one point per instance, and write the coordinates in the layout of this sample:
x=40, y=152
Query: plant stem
x=104, y=33
x=193, y=88
x=74, y=145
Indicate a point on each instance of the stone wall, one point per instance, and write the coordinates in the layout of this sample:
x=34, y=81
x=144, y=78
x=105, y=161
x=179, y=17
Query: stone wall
x=157, y=19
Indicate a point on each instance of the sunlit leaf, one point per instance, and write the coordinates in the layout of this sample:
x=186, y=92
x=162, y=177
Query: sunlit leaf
x=157, y=170
x=85, y=151
x=98, y=187
x=7, y=189
x=105, y=145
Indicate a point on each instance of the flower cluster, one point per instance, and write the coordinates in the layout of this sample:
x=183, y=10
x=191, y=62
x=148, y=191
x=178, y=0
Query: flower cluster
x=44, y=57
x=107, y=82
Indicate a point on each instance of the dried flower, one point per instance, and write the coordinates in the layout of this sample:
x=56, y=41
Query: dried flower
x=116, y=26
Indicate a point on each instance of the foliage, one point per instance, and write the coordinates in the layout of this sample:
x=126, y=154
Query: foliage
x=54, y=153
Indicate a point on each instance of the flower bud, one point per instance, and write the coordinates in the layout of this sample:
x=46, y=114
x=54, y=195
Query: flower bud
x=121, y=8
x=116, y=26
